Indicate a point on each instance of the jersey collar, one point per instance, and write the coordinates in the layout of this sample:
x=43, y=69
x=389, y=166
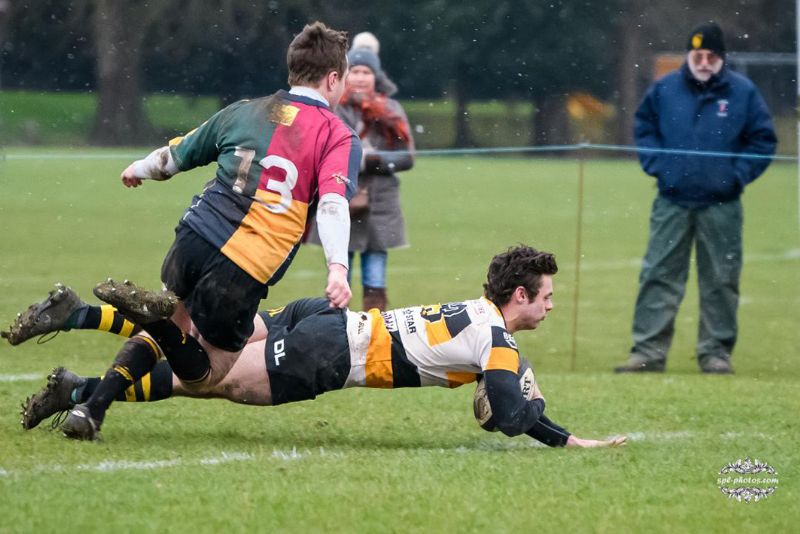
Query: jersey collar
x=308, y=92
x=495, y=308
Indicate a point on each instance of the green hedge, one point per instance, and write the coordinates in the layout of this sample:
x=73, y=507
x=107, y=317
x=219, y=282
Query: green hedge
x=32, y=118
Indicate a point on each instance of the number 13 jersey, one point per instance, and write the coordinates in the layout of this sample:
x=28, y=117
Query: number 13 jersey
x=276, y=156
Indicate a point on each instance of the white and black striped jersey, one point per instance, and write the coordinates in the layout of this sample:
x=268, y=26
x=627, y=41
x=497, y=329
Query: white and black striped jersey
x=437, y=345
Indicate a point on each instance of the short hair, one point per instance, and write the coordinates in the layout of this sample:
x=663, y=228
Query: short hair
x=518, y=266
x=315, y=52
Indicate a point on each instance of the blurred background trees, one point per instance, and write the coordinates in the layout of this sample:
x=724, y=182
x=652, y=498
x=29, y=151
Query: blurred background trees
x=549, y=61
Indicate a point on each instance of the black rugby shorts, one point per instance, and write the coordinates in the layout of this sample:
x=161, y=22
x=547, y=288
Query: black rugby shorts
x=221, y=298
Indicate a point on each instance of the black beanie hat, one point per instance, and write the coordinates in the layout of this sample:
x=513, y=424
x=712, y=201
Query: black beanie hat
x=707, y=36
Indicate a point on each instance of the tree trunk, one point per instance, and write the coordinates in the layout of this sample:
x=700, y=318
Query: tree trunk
x=5, y=14
x=550, y=121
x=119, y=29
x=631, y=70
x=463, y=133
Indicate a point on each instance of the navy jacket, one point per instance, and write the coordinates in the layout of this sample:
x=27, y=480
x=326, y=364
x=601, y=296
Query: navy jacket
x=727, y=114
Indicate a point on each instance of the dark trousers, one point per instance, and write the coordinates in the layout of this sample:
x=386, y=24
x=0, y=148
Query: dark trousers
x=716, y=232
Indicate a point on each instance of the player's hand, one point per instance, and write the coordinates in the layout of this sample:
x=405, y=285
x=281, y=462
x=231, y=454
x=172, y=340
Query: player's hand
x=129, y=178
x=338, y=290
x=573, y=441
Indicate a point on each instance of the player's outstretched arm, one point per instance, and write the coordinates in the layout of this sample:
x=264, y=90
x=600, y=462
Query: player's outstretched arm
x=512, y=413
x=573, y=441
x=554, y=435
x=158, y=165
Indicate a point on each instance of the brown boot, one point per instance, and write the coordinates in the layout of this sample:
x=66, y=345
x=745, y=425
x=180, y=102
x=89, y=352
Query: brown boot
x=375, y=297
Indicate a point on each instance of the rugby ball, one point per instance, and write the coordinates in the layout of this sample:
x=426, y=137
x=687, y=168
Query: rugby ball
x=480, y=401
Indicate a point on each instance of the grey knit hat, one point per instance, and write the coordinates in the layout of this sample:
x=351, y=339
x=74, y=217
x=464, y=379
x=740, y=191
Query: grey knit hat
x=364, y=56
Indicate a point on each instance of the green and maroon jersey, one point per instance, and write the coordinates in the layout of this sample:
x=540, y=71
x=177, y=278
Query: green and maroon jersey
x=276, y=156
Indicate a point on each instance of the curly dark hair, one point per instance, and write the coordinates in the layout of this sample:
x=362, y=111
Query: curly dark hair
x=518, y=266
x=315, y=52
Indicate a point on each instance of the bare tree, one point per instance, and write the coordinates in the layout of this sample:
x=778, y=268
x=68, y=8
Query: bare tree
x=631, y=67
x=5, y=14
x=119, y=32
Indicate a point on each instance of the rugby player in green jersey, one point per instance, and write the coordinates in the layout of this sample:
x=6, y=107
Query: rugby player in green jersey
x=278, y=159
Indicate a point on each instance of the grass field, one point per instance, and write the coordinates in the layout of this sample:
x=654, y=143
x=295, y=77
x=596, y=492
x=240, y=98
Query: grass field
x=410, y=461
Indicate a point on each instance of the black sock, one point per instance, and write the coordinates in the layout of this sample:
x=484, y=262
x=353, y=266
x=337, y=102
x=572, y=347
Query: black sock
x=82, y=393
x=154, y=386
x=105, y=318
x=189, y=361
x=136, y=358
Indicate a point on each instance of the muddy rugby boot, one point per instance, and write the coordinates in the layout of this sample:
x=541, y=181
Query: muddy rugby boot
x=140, y=305
x=54, y=398
x=80, y=425
x=48, y=316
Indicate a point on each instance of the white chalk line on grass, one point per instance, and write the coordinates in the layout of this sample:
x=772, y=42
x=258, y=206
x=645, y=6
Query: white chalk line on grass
x=25, y=377
x=113, y=466
x=294, y=454
x=504, y=444
x=659, y=436
x=110, y=466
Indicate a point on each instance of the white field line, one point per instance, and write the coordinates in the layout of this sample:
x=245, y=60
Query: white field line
x=504, y=444
x=659, y=436
x=110, y=466
x=26, y=377
x=295, y=454
x=113, y=466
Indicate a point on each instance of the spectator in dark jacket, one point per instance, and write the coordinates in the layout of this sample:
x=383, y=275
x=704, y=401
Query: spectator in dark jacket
x=701, y=107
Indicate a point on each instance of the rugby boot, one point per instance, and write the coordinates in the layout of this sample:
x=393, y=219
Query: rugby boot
x=137, y=304
x=715, y=365
x=80, y=425
x=637, y=364
x=54, y=398
x=50, y=315
x=375, y=297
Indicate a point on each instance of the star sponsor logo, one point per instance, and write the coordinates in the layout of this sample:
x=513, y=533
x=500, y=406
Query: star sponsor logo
x=747, y=480
x=408, y=321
